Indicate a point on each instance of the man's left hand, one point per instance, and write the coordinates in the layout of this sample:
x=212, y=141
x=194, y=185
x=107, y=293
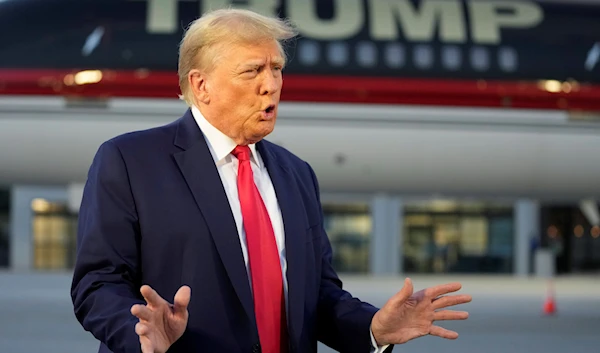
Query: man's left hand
x=407, y=316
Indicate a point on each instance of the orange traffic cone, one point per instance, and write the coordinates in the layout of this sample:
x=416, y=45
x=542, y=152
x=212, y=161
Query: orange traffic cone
x=550, y=303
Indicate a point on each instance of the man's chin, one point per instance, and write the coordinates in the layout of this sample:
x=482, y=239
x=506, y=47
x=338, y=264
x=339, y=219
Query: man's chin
x=255, y=138
x=265, y=128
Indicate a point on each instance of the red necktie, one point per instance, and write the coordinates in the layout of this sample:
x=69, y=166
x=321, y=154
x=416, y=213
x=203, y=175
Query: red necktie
x=265, y=268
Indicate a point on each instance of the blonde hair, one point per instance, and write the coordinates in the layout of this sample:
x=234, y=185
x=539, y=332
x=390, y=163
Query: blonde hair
x=199, y=48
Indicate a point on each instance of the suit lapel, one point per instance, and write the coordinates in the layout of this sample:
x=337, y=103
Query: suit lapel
x=200, y=173
x=290, y=201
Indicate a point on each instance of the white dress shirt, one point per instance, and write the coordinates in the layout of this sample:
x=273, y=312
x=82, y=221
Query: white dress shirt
x=221, y=146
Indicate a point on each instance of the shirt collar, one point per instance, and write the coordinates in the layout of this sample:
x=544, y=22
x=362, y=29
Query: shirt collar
x=219, y=144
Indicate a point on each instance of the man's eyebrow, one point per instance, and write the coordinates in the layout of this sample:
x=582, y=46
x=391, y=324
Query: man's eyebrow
x=258, y=63
x=278, y=61
x=251, y=64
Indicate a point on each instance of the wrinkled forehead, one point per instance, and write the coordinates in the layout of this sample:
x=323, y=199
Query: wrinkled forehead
x=260, y=51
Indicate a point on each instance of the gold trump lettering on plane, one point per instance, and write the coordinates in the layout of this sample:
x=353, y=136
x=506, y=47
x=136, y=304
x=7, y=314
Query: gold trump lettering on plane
x=387, y=20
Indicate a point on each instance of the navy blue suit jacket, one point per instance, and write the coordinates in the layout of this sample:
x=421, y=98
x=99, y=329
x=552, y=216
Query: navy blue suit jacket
x=154, y=212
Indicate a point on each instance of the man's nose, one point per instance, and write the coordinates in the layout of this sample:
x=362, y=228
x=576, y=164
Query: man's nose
x=270, y=83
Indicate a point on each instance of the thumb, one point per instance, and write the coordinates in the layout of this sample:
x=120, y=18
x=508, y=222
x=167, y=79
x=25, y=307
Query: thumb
x=182, y=299
x=406, y=291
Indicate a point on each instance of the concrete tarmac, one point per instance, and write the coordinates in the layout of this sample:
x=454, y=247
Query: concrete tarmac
x=505, y=315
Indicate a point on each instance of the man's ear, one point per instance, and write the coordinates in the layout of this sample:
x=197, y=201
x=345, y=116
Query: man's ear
x=197, y=81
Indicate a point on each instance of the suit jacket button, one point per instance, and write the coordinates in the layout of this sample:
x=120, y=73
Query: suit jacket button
x=256, y=348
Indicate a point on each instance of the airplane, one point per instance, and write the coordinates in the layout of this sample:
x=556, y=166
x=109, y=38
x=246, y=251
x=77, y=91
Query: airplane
x=431, y=104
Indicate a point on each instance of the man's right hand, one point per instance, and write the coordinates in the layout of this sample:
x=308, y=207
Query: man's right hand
x=161, y=323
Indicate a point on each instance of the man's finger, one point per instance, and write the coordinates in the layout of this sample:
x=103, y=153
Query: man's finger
x=141, y=329
x=182, y=299
x=151, y=296
x=146, y=344
x=450, y=300
x=142, y=312
x=442, y=289
x=450, y=315
x=407, y=290
x=443, y=333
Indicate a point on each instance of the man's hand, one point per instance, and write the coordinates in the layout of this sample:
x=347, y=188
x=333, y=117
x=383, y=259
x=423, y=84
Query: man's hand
x=407, y=316
x=161, y=324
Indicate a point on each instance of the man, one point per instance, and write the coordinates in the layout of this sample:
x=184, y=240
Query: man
x=205, y=211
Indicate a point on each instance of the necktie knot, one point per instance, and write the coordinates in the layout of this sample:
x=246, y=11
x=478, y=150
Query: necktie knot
x=242, y=153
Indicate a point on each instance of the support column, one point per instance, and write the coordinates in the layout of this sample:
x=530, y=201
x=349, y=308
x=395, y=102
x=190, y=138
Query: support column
x=527, y=226
x=386, y=213
x=21, y=236
x=75, y=196
x=400, y=238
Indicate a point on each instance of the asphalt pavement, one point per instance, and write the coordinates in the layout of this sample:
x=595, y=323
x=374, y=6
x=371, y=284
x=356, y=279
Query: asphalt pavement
x=506, y=314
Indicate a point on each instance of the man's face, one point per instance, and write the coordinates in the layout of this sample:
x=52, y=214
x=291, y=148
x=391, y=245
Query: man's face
x=243, y=91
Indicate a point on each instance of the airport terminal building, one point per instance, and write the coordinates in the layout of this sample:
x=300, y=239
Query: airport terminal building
x=448, y=137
